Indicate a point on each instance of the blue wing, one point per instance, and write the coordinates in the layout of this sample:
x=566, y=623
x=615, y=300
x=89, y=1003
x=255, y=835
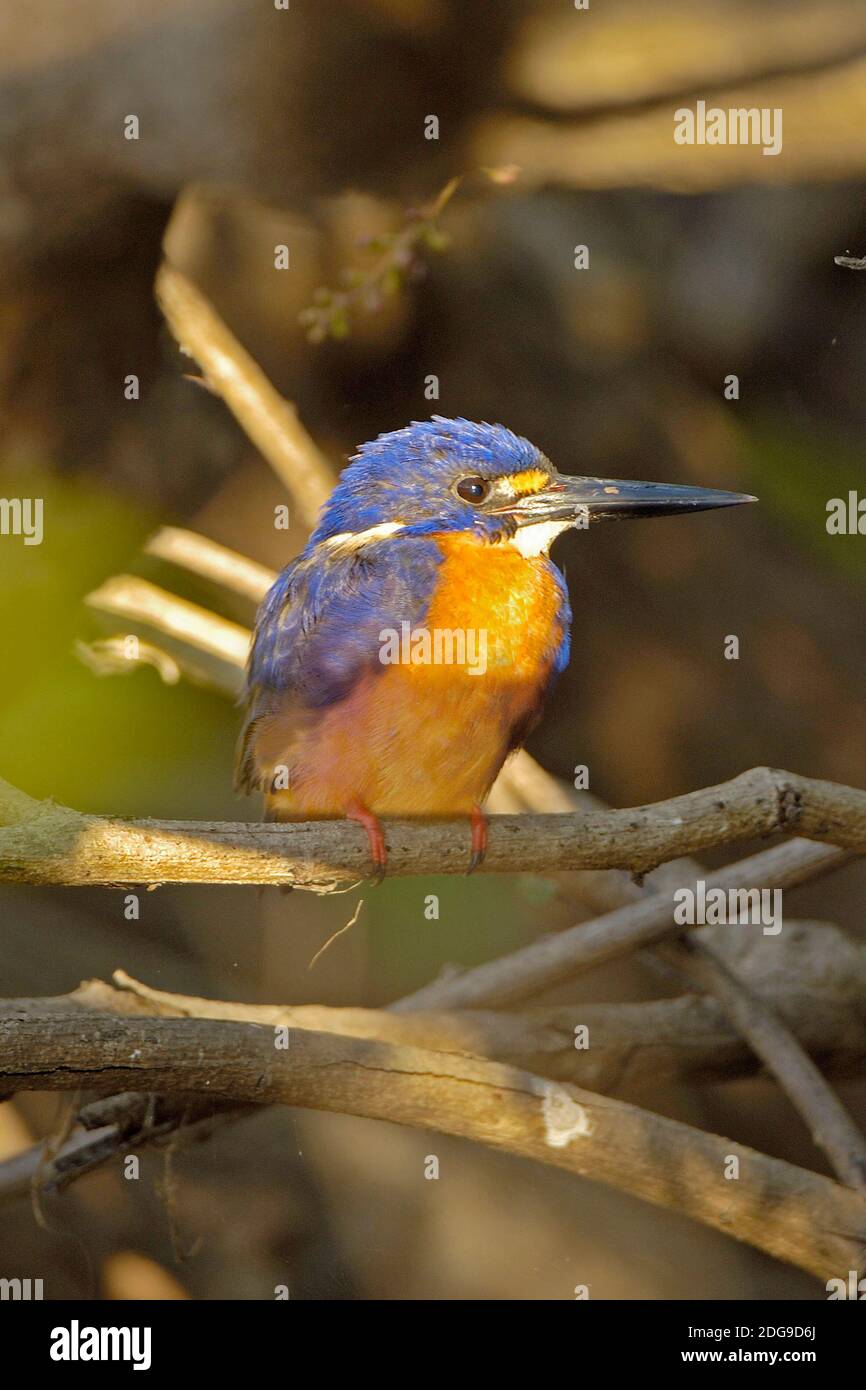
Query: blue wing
x=563, y=650
x=318, y=630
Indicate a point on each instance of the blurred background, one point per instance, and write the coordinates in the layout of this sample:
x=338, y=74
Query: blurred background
x=306, y=128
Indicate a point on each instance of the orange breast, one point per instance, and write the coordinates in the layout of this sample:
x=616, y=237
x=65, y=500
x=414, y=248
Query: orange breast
x=496, y=590
x=429, y=738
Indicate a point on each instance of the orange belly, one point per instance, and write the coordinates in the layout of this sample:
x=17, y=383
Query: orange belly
x=429, y=738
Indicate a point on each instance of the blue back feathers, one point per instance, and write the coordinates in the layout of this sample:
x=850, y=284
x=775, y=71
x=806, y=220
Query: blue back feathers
x=318, y=628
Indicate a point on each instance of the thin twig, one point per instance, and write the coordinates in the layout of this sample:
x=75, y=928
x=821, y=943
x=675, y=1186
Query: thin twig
x=544, y=963
x=270, y=421
x=211, y=560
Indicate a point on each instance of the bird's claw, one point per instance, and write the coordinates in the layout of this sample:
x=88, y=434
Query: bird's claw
x=358, y=812
x=478, y=821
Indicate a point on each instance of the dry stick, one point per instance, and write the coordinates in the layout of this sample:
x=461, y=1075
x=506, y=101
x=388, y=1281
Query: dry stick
x=554, y=958
x=655, y=1027
x=209, y=642
x=831, y=1126
x=764, y=867
x=775, y=1042
x=688, y=1037
x=208, y=649
x=210, y=560
x=685, y=1037
x=124, y=1122
x=48, y=844
x=269, y=420
x=111, y=656
x=829, y=1123
x=795, y=1215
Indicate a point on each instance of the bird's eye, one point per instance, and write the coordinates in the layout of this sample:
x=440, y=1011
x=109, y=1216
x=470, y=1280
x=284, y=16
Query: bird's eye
x=473, y=489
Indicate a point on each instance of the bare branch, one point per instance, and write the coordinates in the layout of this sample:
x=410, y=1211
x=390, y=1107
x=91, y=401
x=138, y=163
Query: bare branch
x=831, y=1126
x=270, y=421
x=797, y=1216
x=544, y=963
x=771, y=1038
x=210, y=560
x=43, y=843
x=200, y=631
x=688, y=1037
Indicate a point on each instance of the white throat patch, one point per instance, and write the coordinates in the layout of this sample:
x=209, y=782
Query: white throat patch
x=537, y=539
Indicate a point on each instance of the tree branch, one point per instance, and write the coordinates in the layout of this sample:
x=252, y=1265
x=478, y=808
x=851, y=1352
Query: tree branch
x=689, y=1037
x=210, y=560
x=269, y=420
x=208, y=649
x=44, y=843
x=769, y=1035
x=552, y=959
x=792, y=1214
x=832, y=1128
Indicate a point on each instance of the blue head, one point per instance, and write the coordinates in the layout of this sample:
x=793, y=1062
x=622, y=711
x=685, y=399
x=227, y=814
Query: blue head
x=434, y=475
x=454, y=475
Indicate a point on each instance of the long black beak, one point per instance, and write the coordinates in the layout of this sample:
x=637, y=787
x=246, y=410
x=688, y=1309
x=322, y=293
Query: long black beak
x=584, y=500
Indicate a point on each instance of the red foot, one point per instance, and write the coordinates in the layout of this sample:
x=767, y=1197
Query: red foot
x=478, y=821
x=357, y=811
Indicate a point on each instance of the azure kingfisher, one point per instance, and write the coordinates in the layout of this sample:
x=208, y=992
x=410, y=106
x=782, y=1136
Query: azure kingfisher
x=441, y=529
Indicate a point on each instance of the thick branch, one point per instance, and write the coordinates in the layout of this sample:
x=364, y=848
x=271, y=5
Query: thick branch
x=43, y=843
x=794, y=1215
x=689, y=1037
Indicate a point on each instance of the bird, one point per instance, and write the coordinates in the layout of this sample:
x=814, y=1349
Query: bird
x=408, y=650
